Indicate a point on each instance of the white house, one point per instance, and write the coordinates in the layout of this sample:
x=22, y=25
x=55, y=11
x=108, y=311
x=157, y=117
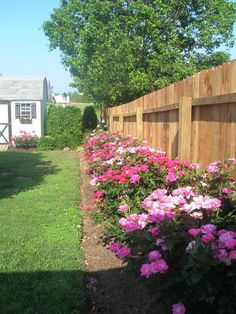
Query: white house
x=23, y=106
x=62, y=99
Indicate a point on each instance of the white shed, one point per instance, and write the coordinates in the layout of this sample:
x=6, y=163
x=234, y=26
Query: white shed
x=23, y=106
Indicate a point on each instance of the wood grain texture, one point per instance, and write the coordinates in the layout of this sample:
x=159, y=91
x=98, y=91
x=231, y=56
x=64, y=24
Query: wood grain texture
x=202, y=132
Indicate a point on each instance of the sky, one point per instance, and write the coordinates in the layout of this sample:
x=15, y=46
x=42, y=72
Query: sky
x=24, y=49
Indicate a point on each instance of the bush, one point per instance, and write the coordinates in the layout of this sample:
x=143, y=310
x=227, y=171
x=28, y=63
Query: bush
x=173, y=221
x=25, y=140
x=89, y=118
x=46, y=143
x=64, y=123
x=65, y=140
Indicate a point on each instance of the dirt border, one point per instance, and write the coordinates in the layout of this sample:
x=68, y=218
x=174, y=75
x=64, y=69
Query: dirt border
x=109, y=286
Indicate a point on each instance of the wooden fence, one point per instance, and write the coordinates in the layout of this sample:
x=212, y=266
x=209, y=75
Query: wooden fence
x=194, y=119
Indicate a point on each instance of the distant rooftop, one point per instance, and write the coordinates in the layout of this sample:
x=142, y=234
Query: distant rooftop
x=21, y=88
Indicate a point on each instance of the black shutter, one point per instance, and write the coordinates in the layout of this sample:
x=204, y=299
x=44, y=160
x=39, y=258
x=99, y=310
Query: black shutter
x=17, y=111
x=33, y=110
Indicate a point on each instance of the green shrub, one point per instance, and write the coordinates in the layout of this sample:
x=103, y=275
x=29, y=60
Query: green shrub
x=173, y=221
x=64, y=123
x=89, y=118
x=65, y=140
x=47, y=143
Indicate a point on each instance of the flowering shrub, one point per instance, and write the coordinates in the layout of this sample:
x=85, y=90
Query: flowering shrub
x=172, y=220
x=25, y=140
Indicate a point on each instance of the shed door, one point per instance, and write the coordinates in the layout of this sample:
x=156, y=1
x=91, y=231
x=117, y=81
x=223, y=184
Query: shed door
x=4, y=124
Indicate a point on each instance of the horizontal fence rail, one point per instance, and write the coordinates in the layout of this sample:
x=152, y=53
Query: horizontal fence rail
x=194, y=119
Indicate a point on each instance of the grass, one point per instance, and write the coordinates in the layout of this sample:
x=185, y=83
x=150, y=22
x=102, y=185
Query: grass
x=40, y=233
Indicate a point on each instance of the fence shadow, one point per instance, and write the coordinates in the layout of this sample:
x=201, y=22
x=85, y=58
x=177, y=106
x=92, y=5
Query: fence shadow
x=20, y=171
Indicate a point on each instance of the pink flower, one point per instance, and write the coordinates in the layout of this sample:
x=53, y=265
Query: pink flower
x=209, y=228
x=129, y=225
x=154, y=255
x=207, y=237
x=123, y=207
x=146, y=270
x=123, y=252
x=212, y=168
x=171, y=177
x=159, y=266
x=222, y=231
x=194, y=232
x=225, y=237
x=93, y=181
x=88, y=208
x=178, y=308
x=194, y=165
x=227, y=190
x=154, y=231
x=98, y=194
x=223, y=255
x=135, y=178
x=232, y=254
x=230, y=244
x=114, y=247
x=144, y=167
x=147, y=204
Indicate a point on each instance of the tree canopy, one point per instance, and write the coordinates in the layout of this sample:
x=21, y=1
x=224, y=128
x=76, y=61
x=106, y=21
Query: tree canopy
x=119, y=50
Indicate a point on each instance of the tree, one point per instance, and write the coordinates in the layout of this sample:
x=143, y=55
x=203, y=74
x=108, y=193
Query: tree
x=79, y=98
x=119, y=50
x=89, y=118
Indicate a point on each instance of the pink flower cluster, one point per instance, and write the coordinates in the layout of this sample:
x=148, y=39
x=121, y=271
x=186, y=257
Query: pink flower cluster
x=126, y=173
x=178, y=308
x=156, y=265
x=159, y=204
x=121, y=252
x=155, y=199
x=133, y=222
x=23, y=137
x=222, y=242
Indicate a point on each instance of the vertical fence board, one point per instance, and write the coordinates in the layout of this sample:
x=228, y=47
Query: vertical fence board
x=185, y=124
x=195, y=134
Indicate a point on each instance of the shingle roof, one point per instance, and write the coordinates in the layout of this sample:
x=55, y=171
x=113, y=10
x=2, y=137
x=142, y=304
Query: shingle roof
x=21, y=88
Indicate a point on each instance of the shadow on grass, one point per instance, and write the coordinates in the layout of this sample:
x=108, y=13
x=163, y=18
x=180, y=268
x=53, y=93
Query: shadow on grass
x=41, y=292
x=60, y=292
x=20, y=171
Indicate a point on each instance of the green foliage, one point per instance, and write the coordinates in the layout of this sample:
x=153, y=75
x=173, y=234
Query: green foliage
x=46, y=142
x=64, y=123
x=89, y=118
x=78, y=98
x=119, y=50
x=66, y=140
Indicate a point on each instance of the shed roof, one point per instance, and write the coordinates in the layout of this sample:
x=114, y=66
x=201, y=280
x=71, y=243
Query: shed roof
x=21, y=88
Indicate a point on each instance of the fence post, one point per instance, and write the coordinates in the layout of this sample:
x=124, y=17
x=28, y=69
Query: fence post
x=139, y=119
x=185, y=124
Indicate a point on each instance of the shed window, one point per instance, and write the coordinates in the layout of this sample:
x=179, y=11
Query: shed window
x=25, y=110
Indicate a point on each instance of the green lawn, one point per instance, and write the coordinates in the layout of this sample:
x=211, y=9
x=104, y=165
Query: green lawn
x=40, y=233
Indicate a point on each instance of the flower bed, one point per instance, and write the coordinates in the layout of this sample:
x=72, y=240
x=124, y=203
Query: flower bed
x=25, y=140
x=173, y=221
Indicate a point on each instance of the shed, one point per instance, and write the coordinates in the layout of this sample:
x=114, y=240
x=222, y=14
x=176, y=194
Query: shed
x=23, y=106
